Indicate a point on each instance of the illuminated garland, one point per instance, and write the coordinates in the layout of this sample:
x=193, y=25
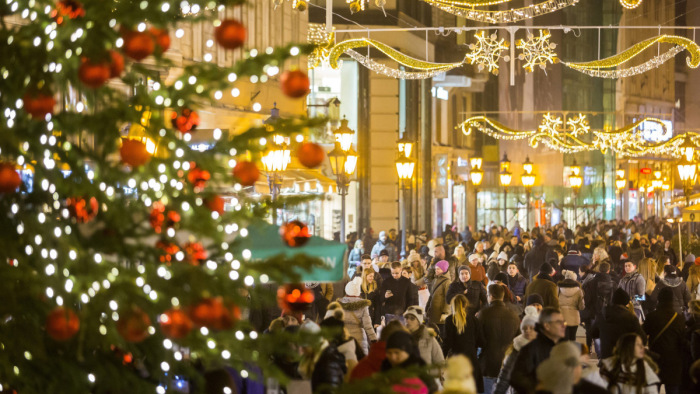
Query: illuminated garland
x=392, y=72
x=627, y=141
x=507, y=16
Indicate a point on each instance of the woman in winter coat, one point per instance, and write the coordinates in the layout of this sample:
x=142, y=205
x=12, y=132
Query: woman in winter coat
x=428, y=345
x=570, y=303
x=438, y=309
x=321, y=362
x=463, y=336
x=418, y=279
x=356, y=253
x=527, y=328
x=498, y=266
x=629, y=370
x=370, y=292
x=357, y=319
x=516, y=282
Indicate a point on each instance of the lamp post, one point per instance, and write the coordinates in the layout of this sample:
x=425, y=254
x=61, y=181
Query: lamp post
x=404, y=168
x=343, y=163
x=476, y=175
x=276, y=158
x=576, y=181
x=620, y=185
x=686, y=171
x=528, y=180
x=657, y=183
x=505, y=177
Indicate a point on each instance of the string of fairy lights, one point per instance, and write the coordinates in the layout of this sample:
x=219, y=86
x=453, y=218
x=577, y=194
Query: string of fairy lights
x=574, y=135
x=487, y=51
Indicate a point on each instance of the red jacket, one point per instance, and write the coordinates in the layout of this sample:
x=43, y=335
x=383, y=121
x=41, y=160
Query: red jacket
x=370, y=364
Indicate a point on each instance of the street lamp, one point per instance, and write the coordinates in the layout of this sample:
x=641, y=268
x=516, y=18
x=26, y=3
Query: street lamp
x=404, y=168
x=505, y=177
x=528, y=180
x=405, y=146
x=620, y=183
x=687, y=148
x=343, y=163
x=476, y=175
x=686, y=171
x=276, y=158
x=576, y=181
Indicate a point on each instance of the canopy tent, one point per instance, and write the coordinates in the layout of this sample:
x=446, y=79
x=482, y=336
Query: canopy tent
x=691, y=213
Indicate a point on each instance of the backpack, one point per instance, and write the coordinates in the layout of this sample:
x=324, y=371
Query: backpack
x=604, y=292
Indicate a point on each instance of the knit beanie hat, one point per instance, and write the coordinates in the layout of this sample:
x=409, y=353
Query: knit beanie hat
x=690, y=258
x=670, y=271
x=354, y=287
x=502, y=277
x=666, y=295
x=400, y=340
x=335, y=312
x=464, y=268
x=531, y=317
x=473, y=257
x=502, y=256
x=546, y=268
x=534, y=299
x=443, y=265
x=416, y=312
x=620, y=297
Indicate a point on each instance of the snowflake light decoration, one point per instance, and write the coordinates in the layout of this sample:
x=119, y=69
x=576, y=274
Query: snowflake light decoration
x=550, y=124
x=323, y=40
x=537, y=51
x=578, y=125
x=487, y=52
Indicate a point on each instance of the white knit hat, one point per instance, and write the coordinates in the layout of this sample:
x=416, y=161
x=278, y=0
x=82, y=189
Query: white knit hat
x=502, y=256
x=415, y=311
x=354, y=287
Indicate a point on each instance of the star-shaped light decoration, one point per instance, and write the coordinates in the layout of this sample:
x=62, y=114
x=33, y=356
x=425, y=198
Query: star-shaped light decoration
x=578, y=125
x=487, y=52
x=537, y=51
x=323, y=40
x=550, y=124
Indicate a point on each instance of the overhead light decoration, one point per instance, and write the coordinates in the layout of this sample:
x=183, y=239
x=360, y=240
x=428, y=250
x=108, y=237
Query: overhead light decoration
x=537, y=51
x=486, y=52
x=630, y=4
x=323, y=41
x=466, y=9
x=577, y=136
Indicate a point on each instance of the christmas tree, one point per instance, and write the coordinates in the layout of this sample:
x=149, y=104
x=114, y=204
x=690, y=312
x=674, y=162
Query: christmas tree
x=122, y=272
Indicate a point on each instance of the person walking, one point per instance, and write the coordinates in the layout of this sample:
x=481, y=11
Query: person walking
x=473, y=290
x=693, y=281
x=423, y=336
x=571, y=303
x=573, y=261
x=321, y=362
x=535, y=258
x=498, y=266
x=463, y=335
x=528, y=334
x=372, y=364
x=544, y=285
x=395, y=293
x=629, y=370
x=383, y=243
x=477, y=269
x=516, y=282
x=357, y=318
x=401, y=353
x=551, y=329
x=615, y=321
x=355, y=256
x=370, y=292
x=671, y=280
x=666, y=329
x=634, y=285
x=499, y=325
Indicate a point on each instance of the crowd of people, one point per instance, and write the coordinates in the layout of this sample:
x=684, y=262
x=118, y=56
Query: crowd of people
x=604, y=308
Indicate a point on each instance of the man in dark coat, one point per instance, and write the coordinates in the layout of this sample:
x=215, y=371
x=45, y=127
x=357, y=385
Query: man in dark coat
x=573, y=260
x=671, y=280
x=474, y=291
x=544, y=286
x=535, y=258
x=551, y=329
x=499, y=325
x=667, y=340
x=615, y=321
x=395, y=294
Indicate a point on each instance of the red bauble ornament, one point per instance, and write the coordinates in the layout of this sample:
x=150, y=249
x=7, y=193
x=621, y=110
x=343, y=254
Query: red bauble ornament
x=138, y=45
x=310, y=154
x=161, y=217
x=70, y=9
x=186, y=121
x=295, y=84
x=83, y=210
x=9, y=178
x=134, y=153
x=38, y=105
x=195, y=253
x=133, y=325
x=169, y=250
x=231, y=34
x=294, y=297
x=246, y=172
x=62, y=324
x=93, y=74
x=162, y=38
x=197, y=176
x=213, y=314
x=295, y=234
x=116, y=66
x=215, y=204
x=175, y=324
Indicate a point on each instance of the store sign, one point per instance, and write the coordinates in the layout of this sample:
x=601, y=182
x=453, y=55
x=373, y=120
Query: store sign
x=657, y=130
x=645, y=171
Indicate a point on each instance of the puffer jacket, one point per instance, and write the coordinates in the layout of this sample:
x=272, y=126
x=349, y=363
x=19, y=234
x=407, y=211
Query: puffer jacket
x=571, y=301
x=329, y=370
x=358, y=321
x=517, y=285
x=476, y=294
x=546, y=288
x=428, y=346
x=681, y=295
